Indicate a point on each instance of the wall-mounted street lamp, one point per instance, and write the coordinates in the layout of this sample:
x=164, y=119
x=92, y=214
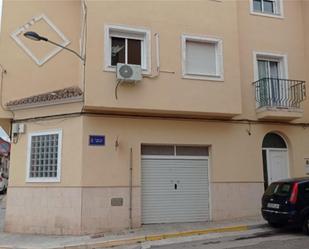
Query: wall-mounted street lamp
x=36, y=37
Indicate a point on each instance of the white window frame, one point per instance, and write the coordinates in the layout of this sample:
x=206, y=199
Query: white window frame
x=44, y=179
x=129, y=33
x=282, y=59
x=278, y=10
x=219, y=76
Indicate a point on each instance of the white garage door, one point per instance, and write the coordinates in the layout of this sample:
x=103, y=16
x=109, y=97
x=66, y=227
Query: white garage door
x=175, y=186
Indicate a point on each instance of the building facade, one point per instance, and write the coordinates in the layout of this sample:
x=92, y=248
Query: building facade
x=219, y=113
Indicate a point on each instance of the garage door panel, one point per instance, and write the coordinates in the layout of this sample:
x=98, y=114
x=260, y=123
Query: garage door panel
x=162, y=203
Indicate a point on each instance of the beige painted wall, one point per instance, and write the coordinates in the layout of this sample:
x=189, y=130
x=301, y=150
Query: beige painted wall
x=273, y=35
x=93, y=175
x=108, y=166
x=235, y=156
x=24, y=77
x=167, y=92
x=242, y=33
x=89, y=171
x=71, y=157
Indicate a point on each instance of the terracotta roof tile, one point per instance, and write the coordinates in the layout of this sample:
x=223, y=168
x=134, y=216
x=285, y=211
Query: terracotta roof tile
x=44, y=98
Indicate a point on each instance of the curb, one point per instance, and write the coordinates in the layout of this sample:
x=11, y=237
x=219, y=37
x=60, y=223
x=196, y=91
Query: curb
x=140, y=239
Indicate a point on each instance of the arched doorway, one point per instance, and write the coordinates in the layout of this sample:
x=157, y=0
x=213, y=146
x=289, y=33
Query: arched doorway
x=275, y=158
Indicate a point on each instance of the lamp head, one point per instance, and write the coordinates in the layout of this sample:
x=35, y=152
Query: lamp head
x=34, y=36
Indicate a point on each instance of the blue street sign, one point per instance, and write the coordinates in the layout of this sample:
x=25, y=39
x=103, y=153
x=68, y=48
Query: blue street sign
x=96, y=140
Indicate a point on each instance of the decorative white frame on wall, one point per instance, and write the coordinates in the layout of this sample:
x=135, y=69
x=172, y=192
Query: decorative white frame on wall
x=25, y=27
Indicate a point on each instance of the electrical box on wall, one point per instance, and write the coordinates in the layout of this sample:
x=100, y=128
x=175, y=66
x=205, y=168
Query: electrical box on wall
x=18, y=128
x=307, y=166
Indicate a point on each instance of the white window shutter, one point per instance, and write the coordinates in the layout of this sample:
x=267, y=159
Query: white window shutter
x=201, y=58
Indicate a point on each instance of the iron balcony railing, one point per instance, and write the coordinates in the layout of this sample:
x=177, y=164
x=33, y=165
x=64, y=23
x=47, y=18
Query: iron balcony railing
x=283, y=93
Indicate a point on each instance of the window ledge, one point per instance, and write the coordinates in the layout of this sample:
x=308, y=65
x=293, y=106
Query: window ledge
x=42, y=180
x=201, y=77
x=267, y=15
x=275, y=113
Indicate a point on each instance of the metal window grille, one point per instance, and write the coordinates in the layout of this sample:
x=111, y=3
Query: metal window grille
x=44, y=156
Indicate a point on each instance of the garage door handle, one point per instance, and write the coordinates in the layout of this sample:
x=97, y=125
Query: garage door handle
x=175, y=186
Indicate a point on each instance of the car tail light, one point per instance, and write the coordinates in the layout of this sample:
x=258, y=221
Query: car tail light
x=294, y=193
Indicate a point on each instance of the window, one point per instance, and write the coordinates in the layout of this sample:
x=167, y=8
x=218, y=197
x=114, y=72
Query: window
x=280, y=189
x=44, y=156
x=128, y=46
x=267, y=7
x=174, y=150
x=202, y=58
x=270, y=65
x=272, y=80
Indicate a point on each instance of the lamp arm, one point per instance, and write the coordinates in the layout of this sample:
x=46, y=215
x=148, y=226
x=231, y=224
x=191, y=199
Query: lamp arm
x=72, y=51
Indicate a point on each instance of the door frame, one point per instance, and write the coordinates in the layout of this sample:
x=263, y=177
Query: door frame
x=268, y=159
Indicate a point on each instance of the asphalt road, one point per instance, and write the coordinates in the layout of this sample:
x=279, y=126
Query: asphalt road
x=265, y=238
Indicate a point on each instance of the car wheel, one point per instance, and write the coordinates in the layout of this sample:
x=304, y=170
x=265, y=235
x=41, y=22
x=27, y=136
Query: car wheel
x=306, y=225
x=275, y=224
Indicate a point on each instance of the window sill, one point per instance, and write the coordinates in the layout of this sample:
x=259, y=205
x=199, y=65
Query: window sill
x=201, y=77
x=267, y=15
x=42, y=180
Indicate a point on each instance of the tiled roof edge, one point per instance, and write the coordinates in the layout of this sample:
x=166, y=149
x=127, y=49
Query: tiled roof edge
x=65, y=95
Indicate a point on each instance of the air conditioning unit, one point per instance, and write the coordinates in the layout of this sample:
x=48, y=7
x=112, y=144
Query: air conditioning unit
x=128, y=72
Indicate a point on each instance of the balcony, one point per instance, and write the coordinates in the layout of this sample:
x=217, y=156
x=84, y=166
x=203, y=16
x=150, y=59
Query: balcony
x=279, y=99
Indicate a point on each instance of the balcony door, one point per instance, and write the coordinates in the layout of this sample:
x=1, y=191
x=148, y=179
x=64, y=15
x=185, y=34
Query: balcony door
x=271, y=93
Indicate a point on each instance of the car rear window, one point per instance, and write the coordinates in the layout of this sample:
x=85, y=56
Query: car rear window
x=280, y=189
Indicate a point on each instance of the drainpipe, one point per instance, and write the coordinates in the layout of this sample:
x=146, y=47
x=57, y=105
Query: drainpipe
x=130, y=187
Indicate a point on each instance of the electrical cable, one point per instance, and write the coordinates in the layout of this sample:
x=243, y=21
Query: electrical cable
x=116, y=89
x=3, y=72
x=170, y=117
x=84, y=45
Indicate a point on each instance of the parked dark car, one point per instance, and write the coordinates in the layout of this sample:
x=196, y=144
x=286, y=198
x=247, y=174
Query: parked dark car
x=287, y=202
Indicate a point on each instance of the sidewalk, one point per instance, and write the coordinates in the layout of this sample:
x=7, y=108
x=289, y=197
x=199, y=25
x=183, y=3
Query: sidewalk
x=126, y=237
